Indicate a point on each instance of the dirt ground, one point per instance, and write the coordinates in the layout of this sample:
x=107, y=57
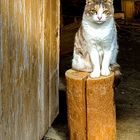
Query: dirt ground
x=128, y=92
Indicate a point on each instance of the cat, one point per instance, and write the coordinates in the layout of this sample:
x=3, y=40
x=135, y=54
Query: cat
x=95, y=46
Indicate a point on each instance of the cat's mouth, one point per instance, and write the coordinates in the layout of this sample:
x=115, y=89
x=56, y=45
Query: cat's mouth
x=100, y=22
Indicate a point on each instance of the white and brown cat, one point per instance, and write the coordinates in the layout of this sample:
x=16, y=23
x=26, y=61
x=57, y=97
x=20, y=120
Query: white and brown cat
x=96, y=47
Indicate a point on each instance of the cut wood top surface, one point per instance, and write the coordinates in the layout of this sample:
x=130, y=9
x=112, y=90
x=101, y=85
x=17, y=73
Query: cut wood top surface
x=73, y=74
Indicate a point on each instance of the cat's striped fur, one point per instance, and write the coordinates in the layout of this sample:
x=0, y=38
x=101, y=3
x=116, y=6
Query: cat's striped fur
x=95, y=47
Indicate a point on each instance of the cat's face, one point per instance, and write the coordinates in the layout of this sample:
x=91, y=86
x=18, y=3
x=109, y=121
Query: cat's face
x=99, y=11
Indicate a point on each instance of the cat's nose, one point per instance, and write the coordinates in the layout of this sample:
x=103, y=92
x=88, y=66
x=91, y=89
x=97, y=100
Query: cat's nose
x=99, y=17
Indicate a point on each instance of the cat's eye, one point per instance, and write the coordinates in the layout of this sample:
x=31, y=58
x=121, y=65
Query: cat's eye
x=106, y=12
x=88, y=2
x=93, y=11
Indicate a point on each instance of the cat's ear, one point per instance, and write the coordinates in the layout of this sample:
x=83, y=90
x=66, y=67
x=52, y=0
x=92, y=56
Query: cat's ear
x=88, y=2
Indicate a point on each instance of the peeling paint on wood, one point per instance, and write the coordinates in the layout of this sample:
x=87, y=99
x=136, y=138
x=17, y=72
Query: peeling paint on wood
x=29, y=66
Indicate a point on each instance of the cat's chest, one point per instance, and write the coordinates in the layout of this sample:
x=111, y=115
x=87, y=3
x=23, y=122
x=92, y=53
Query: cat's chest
x=97, y=34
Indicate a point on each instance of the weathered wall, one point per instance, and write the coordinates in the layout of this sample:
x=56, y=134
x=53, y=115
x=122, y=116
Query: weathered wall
x=29, y=41
x=52, y=25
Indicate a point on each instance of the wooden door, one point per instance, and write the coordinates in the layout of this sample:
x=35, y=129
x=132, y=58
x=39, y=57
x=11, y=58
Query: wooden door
x=52, y=41
x=29, y=58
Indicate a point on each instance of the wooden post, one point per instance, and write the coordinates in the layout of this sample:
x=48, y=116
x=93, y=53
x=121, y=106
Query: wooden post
x=91, y=109
x=101, y=117
x=76, y=100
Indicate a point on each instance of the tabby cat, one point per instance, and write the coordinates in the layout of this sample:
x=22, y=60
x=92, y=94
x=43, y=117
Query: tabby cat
x=96, y=47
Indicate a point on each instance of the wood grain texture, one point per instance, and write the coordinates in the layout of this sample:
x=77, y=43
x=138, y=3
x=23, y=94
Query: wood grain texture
x=26, y=76
x=53, y=8
x=76, y=104
x=91, y=108
x=128, y=8
x=101, y=117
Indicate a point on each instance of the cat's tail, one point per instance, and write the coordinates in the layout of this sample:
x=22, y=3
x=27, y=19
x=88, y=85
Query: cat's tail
x=117, y=72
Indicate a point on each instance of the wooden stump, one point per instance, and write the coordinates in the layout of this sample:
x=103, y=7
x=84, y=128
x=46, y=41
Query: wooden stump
x=91, y=108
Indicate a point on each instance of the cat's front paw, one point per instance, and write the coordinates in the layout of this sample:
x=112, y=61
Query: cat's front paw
x=105, y=72
x=95, y=74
